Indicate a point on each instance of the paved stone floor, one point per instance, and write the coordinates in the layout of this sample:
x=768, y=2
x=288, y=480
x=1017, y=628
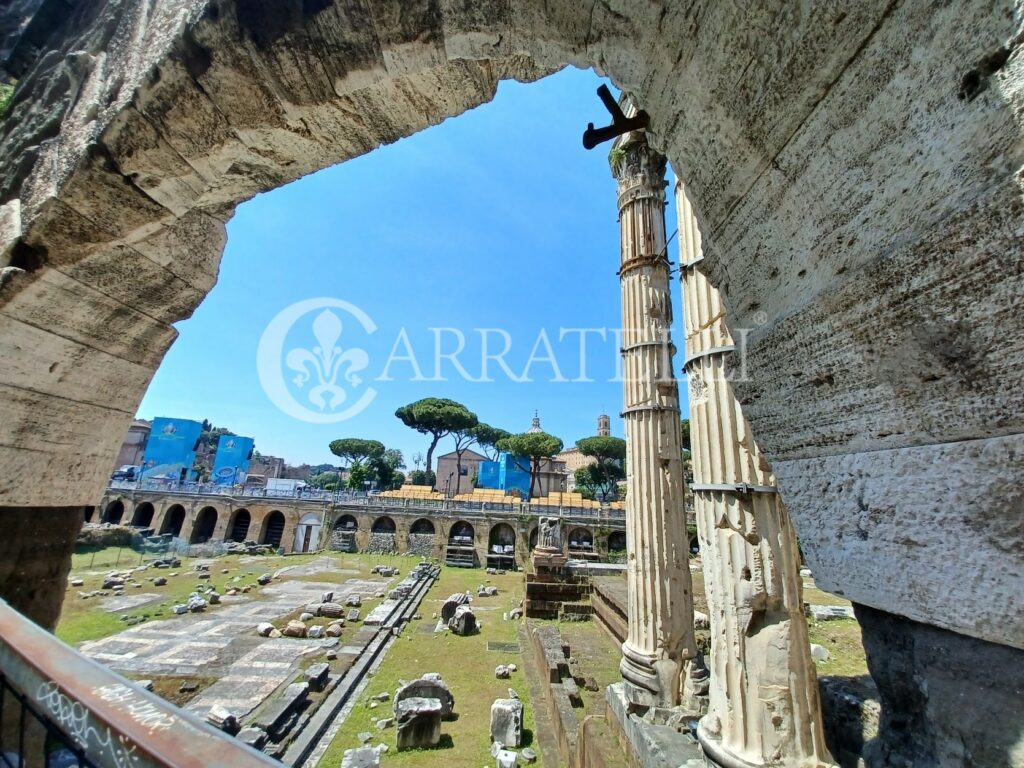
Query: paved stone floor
x=221, y=642
x=129, y=602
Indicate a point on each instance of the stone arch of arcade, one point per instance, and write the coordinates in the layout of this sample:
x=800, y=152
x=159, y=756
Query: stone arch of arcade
x=855, y=172
x=143, y=514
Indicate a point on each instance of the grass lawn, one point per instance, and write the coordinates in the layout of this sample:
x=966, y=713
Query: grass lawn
x=466, y=665
x=83, y=620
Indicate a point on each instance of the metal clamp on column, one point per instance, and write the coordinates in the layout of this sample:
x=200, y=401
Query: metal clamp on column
x=642, y=408
x=643, y=344
x=691, y=264
x=708, y=353
x=742, y=488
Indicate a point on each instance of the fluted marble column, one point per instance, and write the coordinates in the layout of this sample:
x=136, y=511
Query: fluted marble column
x=764, y=708
x=660, y=604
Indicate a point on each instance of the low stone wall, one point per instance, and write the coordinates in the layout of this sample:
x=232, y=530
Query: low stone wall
x=383, y=543
x=422, y=544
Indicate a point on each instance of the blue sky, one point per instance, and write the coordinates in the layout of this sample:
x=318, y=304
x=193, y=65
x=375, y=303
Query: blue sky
x=496, y=219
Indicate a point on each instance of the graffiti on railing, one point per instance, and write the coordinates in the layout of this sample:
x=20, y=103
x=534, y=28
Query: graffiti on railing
x=144, y=712
x=74, y=719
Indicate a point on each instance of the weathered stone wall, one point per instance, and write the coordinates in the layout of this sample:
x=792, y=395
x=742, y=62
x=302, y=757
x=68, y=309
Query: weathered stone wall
x=383, y=543
x=947, y=699
x=423, y=544
x=35, y=558
x=853, y=166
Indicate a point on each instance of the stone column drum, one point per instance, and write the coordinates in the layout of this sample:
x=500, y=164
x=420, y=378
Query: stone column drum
x=660, y=604
x=764, y=707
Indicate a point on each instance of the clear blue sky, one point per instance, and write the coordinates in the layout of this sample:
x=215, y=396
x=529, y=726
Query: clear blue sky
x=496, y=219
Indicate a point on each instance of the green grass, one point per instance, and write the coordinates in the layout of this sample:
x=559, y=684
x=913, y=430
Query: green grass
x=466, y=666
x=84, y=620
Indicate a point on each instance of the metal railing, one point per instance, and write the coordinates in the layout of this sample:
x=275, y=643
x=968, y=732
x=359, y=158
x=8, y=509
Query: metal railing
x=59, y=709
x=363, y=499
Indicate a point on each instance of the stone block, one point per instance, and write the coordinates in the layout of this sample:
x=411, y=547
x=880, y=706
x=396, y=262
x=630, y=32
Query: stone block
x=317, y=676
x=363, y=757
x=419, y=723
x=507, y=722
x=278, y=716
x=429, y=686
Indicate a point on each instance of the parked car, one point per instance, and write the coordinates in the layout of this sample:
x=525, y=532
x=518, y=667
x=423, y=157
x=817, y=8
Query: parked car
x=127, y=472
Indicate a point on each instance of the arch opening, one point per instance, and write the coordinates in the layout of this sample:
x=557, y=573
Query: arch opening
x=204, y=526
x=343, y=534
x=307, y=533
x=143, y=515
x=273, y=529
x=581, y=541
x=114, y=512
x=501, y=547
x=422, y=537
x=174, y=520
x=382, y=536
x=239, y=527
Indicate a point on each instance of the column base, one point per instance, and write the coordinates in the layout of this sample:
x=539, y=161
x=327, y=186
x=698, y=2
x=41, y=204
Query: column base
x=715, y=754
x=652, y=745
x=641, y=684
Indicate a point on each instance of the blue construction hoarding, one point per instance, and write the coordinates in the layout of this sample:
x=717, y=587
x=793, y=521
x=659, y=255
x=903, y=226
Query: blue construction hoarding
x=231, y=462
x=507, y=473
x=171, y=449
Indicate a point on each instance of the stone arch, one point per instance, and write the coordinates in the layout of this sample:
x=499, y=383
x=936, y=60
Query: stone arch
x=307, y=533
x=273, y=529
x=204, y=525
x=343, y=533
x=89, y=512
x=346, y=522
x=461, y=533
x=534, y=535
x=502, y=535
x=143, y=514
x=422, y=537
x=114, y=512
x=423, y=525
x=238, y=528
x=174, y=520
x=617, y=541
x=383, y=524
x=580, y=539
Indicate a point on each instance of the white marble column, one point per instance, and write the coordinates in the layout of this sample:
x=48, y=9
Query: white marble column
x=764, y=708
x=660, y=606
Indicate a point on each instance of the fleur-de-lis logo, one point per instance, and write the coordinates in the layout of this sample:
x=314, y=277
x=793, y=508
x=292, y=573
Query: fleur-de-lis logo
x=325, y=361
x=319, y=370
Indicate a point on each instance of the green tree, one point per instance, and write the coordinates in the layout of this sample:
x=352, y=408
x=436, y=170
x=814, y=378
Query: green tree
x=598, y=481
x=356, y=450
x=536, y=446
x=357, y=475
x=419, y=477
x=387, y=468
x=602, y=477
x=437, y=417
x=487, y=438
x=684, y=434
x=464, y=438
x=325, y=479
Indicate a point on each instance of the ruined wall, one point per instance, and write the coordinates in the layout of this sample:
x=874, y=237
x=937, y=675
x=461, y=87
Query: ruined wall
x=854, y=168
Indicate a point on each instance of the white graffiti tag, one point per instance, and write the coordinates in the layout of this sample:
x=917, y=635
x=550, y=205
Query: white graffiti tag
x=74, y=719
